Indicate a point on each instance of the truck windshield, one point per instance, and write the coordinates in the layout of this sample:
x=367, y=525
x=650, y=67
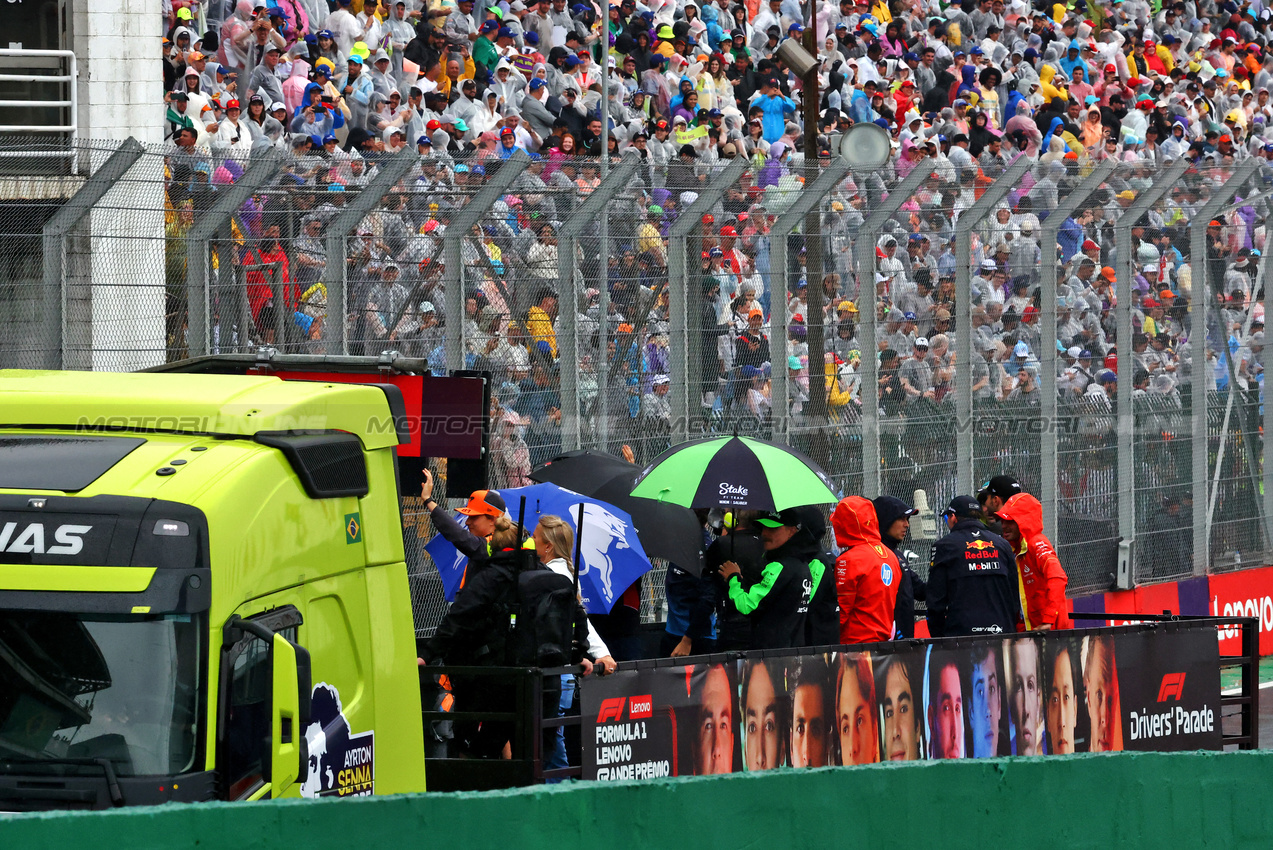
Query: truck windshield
x=79, y=687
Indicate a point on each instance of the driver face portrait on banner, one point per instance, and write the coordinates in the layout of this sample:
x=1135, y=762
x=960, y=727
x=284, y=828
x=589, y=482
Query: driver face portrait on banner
x=985, y=702
x=1062, y=697
x=945, y=705
x=810, y=720
x=1024, y=675
x=1100, y=689
x=899, y=708
x=855, y=716
x=763, y=711
x=714, y=698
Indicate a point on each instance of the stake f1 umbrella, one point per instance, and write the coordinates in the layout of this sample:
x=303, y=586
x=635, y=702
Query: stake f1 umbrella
x=666, y=530
x=734, y=473
x=612, y=556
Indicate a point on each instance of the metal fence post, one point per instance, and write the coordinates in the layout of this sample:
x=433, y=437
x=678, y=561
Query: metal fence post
x=588, y=212
x=392, y=170
x=680, y=360
x=461, y=223
x=261, y=170
x=1126, y=413
x=809, y=197
x=864, y=253
x=1047, y=297
x=1198, y=352
x=970, y=218
x=54, y=237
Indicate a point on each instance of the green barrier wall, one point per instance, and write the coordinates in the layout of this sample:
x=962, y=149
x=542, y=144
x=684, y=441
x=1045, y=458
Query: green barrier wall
x=1146, y=800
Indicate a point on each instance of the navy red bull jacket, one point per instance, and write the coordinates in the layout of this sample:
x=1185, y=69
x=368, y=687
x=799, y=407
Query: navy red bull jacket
x=972, y=583
x=867, y=574
x=1043, y=581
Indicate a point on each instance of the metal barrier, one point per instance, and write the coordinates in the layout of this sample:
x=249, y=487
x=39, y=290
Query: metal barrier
x=448, y=771
x=11, y=58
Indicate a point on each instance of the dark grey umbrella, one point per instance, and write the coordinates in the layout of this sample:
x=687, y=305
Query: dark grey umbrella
x=666, y=530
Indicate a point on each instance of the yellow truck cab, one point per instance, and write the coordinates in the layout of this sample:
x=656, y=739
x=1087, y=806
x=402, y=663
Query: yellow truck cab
x=203, y=592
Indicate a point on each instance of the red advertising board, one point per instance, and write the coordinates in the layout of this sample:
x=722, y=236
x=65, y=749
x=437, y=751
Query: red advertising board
x=1248, y=593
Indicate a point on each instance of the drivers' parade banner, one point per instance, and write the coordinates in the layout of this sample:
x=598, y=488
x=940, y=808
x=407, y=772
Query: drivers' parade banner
x=1095, y=690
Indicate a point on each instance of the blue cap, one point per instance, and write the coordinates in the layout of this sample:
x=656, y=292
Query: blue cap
x=715, y=113
x=909, y=316
x=461, y=169
x=479, y=171
x=579, y=8
x=1021, y=350
x=572, y=60
x=357, y=60
x=530, y=37
x=795, y=28
x=910, y=57
x=506, y=32
x=842, y=26
x=316, y=140
x=335, y=187
x=424, y=140
x=536, y=84
x=976, y=51
x=489, y=26
x=330, y=137
x=325, y=34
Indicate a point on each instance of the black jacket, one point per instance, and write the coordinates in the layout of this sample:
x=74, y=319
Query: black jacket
x=910, y=586
x=476, y=628
x=733, y=630
x=822, y=624
x=972, y=583
x=777, y=604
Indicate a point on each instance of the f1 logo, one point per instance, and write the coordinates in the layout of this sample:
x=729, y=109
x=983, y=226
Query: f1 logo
x=611, y=709
x=1173, y=684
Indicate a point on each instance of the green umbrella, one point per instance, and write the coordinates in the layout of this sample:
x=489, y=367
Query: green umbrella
x=734, y=472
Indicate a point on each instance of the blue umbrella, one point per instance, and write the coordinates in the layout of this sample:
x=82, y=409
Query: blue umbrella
x=612, y=556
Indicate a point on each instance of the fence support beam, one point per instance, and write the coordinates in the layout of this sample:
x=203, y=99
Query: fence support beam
x=452, y=272
x=392, y=169
x=970, y=218
x=809, y=198
x=1200, y=307
x=212, y=224
x=1126, y=414
x=1049, y=266
x=568, y=343
x=869, y=386
x=684, y=344
x=54, y=235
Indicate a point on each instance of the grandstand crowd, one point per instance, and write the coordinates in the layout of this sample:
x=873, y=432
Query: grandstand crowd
x=963, y=90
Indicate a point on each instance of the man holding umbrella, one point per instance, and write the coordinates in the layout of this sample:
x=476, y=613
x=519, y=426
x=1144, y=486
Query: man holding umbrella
x=778, y=603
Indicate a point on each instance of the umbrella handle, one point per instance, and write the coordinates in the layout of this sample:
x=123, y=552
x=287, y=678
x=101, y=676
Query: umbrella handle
x=578, y=546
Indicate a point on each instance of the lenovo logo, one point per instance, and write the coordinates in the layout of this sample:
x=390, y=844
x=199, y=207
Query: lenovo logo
x=611, y=709
x=1173, y=684
x=639, y=708
x=31, y=539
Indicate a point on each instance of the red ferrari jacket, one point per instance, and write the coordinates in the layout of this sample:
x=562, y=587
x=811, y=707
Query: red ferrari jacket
x=867, y=574
x=1043, y=581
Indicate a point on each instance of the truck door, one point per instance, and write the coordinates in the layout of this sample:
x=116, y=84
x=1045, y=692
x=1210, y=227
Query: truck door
x=263, y=708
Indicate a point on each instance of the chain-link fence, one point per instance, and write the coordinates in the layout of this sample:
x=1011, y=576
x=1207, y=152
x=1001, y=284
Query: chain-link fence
x=916, y=330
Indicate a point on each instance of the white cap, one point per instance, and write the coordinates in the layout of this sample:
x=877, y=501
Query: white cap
x=921, y=342
x=1021, y=350
x=427, y=307
x=277, y=105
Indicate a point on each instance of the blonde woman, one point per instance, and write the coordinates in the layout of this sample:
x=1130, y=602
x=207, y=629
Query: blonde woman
x=554, y=542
